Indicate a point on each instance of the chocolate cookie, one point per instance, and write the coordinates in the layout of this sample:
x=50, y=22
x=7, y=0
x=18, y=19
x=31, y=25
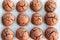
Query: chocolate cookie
x=51, y=33
x=8, y=5
x=51, y=19
x=50, y=6
x=36, y=33
x=8, y=19
x=22, y=6
x=7, y=34
x=35, y=5
x=23, y=19
x=36, y=19
x=22, y=34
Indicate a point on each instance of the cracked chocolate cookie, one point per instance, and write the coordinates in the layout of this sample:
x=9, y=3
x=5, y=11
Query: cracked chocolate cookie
x=8, y=19
x=8, y=5
x=35, y=5
x=51, y=19
x=22, y=34
x=7, y=34
x=23, y=19
x=51, y=33
x=36, y=33
x=50, y=6
x=22, y=6
x=36, y=19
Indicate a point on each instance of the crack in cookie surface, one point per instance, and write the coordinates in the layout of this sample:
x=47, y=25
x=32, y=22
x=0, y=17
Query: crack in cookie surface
x=8, y=5
x=36, y=33
x=7, y=34
x=22, y=6
x=22, y=34
x=51, y=33
x=51, y=18
x=36, y=19
x=50, y=6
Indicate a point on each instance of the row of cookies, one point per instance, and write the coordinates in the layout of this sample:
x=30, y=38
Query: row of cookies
x=23, y=19
x=35, y=5
x=35, y=33
x=51, y=19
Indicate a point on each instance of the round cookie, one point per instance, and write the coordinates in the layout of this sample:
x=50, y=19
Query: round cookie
x=21, y=6
x=36, y=33
x=35, y=5
x=51, y=33
x=8, y=5
x=8, y=19
x=23, y=19
x=7, y=34
x=22, y=34
x=51, y=19
x=36, y=19
x=50, y=5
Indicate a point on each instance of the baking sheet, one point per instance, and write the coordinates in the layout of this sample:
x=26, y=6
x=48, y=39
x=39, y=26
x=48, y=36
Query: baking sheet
x=29, y=12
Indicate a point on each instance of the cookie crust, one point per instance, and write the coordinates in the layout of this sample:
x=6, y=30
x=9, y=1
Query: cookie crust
x=51, y=19
x=35, y=5
x=50, y=6
x=8, y=5
x=51, y=33
x=8, y=19
x=36, y=33
x=7, y=34
x=21, y=6
x=23, y=19
x=22, y=34
x=36, y=19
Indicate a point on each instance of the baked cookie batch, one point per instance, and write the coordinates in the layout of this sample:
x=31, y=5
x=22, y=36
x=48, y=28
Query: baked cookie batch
x=36, y=33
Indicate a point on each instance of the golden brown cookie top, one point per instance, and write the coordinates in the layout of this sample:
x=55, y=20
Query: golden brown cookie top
x=7, y=34
x=36, y=5
x=36, y=19
x=51, y=33
x=22, y=6
x=51, y=19
x=8, y=19
x=36, y=33
x=50, y=6
x=23, y=19
x=8, y=5
x=22, y=34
